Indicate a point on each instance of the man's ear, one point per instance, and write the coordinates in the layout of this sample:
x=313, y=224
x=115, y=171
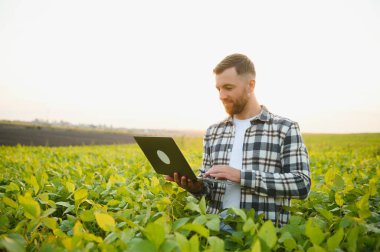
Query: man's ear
x=252, y=84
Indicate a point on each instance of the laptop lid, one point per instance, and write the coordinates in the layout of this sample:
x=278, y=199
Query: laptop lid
x=165, y=156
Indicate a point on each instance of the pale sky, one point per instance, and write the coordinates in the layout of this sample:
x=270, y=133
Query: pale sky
x=148, y=64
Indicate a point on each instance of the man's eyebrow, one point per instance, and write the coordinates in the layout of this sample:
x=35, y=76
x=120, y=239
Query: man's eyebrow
x=223, y=85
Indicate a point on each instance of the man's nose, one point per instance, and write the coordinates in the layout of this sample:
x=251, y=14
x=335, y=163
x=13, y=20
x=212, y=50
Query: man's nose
x=222, y=95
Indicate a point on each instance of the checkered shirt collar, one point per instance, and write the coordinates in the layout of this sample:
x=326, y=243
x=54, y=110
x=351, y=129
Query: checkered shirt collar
x=264, y=116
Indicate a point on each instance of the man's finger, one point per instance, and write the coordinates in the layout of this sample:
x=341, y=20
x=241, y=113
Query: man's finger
x=189, y=184
x=218, y=175
x=176, y=179
x=184, y=182
x=213, y=170
x=169, y=178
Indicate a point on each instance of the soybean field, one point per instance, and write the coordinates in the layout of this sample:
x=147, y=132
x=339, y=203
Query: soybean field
x=108, y=198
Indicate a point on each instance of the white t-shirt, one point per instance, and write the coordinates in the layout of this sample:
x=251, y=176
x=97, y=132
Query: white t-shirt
x=232, y=194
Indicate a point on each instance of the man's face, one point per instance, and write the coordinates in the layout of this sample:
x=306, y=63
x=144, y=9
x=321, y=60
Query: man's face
x=233, y=91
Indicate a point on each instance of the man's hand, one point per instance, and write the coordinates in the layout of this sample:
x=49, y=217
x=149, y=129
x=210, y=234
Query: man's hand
x=187, y=184
x=224, y=172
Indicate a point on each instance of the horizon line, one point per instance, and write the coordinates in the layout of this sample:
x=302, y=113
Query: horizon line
x=112, y=127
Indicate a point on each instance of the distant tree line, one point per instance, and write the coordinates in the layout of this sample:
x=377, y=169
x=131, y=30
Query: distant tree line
x=62, y=123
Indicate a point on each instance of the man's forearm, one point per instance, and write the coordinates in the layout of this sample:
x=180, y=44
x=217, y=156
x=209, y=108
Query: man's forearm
x=278, y=185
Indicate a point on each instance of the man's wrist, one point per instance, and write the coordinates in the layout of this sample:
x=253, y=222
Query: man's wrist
x=200, y=190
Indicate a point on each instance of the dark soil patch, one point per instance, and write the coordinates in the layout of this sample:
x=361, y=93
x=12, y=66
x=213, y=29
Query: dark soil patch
x=12, y=134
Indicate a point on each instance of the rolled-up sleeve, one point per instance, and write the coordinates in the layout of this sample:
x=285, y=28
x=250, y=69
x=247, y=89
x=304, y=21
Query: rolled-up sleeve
x=294, y=180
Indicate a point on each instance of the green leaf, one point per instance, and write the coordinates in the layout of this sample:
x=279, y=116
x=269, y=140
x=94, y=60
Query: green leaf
x=44, y=197
x=78, y=229
x=372, y=190
x=49, y=222
x=216, y=244
x=194, y=243
x=256, y=246
x=295, y=220
x=10, y=202
x=69, y=209
x=105, y=221
x=87, y=215
x=363, y=206
x=267, y=234
x=352, y=238
x=202, y=205
x=92, y=237
x=12, y=242
x=183, y=243
x=70, y=187
x=4, y=221
x=201, y=230
x=167, y=188
x=31, y=207
x=110, y=238
x=48, y=212
x=155, y=233
x=288, y=241
x=113, y=202
x=314, y=232
x=334, y=241
x=316, y=248
x=65, y=204
x=346, y=221
x=238, y=237
x=338, y=182
x=325, y=213
x=329, y=177
x=193, y=207
x=67, y=225
x=138, y=244
x=214, y=224
x=239, y=212
x=168, y=246
x=12, y=187
x=339, y=198
x=248, y=225
x=33, y=182
x=180, y=222
x=201, y=219
x=155, y=185
x=80, y=196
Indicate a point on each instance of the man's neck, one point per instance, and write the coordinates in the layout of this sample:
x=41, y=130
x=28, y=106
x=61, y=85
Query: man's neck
x=252, y=109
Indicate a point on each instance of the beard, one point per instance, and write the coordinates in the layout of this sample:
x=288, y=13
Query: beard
x=235, y=107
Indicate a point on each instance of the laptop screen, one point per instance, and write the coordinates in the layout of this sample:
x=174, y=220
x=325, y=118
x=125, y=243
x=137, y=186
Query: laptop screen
x=165, y=156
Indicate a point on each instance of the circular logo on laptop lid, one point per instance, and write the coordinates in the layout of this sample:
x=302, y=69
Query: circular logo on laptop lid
x=164, y=158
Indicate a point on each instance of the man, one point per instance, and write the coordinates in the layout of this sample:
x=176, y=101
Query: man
x=262, y=153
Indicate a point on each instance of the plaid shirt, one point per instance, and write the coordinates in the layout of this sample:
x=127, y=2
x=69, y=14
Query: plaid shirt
x=275, y=165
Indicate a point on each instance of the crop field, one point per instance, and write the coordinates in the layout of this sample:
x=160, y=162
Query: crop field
x=108, y=198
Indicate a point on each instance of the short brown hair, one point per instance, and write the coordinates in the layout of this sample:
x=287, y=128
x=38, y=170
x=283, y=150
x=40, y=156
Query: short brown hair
x=241, y=63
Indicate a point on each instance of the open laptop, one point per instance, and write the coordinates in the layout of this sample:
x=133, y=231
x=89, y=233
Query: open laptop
x=166, y=158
